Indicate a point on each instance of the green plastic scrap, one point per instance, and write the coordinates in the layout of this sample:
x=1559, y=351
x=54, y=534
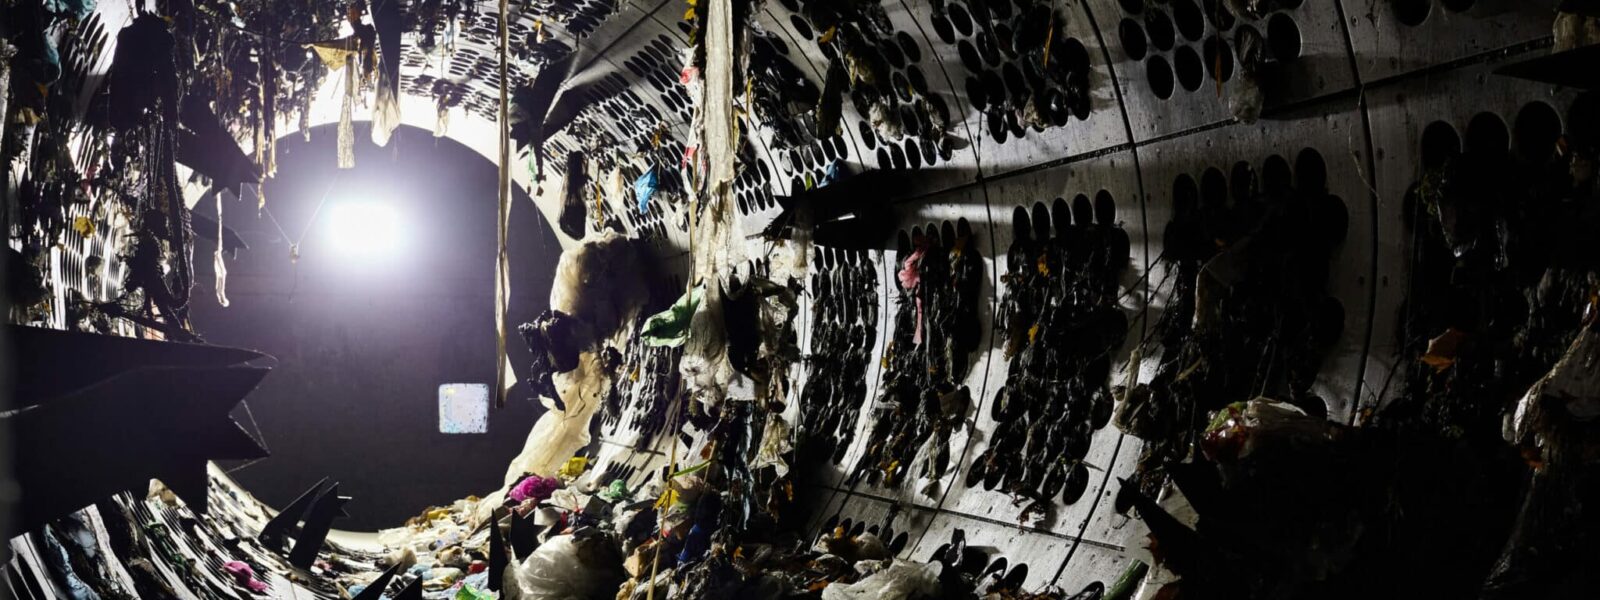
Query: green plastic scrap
x=671, y=327
x=616, y=492
x=468, y=592
x=1128, y=583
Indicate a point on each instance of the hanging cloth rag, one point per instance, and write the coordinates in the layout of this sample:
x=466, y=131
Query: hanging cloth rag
x=217, y=264
x=386, y=108
x=502, y=267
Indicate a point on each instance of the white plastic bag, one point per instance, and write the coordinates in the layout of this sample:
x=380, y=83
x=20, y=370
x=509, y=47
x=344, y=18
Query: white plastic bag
x=901, y=581
x=556, y=571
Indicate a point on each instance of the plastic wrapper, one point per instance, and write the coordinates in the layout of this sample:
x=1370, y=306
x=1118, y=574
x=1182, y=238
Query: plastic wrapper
x=901, y=581
x=1569, y=392
x=775, y=442
x=1244, y=428
x=564, y=568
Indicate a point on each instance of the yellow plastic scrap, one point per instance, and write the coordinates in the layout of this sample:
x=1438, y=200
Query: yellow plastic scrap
x=667, y=499
x=84, y=227
x=436, y=514
x=828, y=35
x=1044, y=265
x=575, y=466
x=1442, y=350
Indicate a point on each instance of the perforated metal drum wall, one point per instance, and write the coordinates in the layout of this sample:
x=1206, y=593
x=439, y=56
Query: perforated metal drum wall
x=1348, y=89
x=1345, y=94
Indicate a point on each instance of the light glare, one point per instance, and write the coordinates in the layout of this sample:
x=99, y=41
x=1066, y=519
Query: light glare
x=364, y=228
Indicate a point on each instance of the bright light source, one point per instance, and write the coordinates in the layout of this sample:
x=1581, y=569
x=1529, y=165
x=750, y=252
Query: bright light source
x=363, y=228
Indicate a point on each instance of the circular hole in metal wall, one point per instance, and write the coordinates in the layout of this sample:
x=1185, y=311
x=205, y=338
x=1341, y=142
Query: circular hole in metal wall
x=1082, y=210
x=891, y=53
x=800, y=26
x=1014, y=83
x=1190, y=22
x=1242, y=182
x=913, y=155
x=919, y=82
x=1075, y=56
x=1535, y=133
x=867, y=136
x=1190, y=73
x=1218, y=14
x=1219, y=58
x=969, y=56
x=1080, y=104
x=1440, y=143
x=841, y=147
x=897, y=155
x=1412, y=13
x=909, y=123
x=1310, y=171
x=908, y=46
x=975, y=93
x=1185, y=197
x=997, y=126
x=1005, y=41
x=828, y=151
x=1132, y=7
x=902, y=87
x=997, y=11
x=986, y=47
x=1457, y=5
x=1276, y=176
x=942, y=28
x=1061, y=215
x=1041, y=222
x=1213, y=189
x=930, y=154
x=1159, y=74
x=1021, y=227
x=1283, y=36
x=883, y=159
x=1133, y=41
x=1159, y=27
x=1487, y=135
x=959, y=18
x=1105, y=208
x=937, y=107
x=994, y=88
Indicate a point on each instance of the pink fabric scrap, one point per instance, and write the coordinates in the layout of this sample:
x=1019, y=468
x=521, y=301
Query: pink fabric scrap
x=688, y=75
x=244, y=575
x=535, y=488
x=909, y=278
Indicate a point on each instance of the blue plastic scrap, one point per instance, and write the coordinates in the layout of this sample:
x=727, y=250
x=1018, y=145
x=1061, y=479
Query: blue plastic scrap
x=644, y=187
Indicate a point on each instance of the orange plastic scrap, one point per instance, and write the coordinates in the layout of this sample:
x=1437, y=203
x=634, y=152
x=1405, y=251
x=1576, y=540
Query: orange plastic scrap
x=1442, y=350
